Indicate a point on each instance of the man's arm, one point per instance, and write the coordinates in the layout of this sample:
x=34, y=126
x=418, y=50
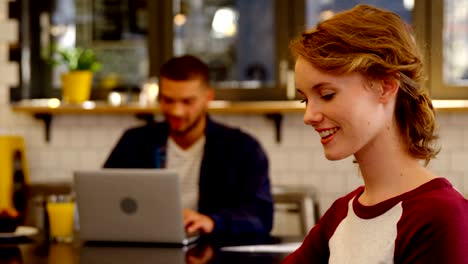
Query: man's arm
x=118, y=156
x=252, y=210
x=135, y=149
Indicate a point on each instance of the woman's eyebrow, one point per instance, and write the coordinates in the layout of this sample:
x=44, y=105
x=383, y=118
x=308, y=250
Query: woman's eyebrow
x=320, y=85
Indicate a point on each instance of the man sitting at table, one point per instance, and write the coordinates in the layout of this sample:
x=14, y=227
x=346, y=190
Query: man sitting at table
x=224, y=171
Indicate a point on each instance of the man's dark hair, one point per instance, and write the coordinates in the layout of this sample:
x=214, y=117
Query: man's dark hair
x=184, y=68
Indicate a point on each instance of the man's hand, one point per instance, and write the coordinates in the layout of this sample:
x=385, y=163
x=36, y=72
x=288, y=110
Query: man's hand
x=194, y=221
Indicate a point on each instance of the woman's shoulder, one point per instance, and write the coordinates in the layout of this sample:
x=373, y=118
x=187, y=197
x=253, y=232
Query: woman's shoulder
x=438, y=201
x=434, y=225
x=437, y=192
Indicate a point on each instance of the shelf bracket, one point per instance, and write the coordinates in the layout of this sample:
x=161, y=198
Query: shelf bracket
x=47, y=119
x=277, y=119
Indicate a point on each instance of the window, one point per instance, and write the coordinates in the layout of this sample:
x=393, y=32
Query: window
x=449, y=49
x=238, y=47
x=244, y=42
x=319, y=10
x=115, y=29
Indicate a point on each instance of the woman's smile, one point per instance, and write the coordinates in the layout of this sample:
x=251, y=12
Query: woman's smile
x=327, y=135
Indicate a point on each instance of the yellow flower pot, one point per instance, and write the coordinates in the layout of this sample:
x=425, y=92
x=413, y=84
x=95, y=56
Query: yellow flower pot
x=76, y=86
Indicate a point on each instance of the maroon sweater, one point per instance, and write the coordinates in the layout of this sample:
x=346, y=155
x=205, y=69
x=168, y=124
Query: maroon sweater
x=426, y=225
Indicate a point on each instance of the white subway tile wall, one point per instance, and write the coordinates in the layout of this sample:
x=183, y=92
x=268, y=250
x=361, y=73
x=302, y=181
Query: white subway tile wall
x=84, y=141
x=8, y=27
x=3, y=10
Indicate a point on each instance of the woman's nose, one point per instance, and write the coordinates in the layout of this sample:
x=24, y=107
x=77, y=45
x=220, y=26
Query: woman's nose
x=312, y=115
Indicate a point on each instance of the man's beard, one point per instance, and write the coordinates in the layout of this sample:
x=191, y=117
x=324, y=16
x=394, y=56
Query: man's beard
x=191, y=127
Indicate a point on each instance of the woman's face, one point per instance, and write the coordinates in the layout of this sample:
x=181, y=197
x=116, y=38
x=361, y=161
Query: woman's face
x=343, y=109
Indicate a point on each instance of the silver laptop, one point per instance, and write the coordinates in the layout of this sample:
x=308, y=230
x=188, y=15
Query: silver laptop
x=130, y=205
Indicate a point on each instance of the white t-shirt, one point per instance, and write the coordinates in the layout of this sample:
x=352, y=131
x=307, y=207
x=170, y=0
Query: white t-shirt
x=187, y=163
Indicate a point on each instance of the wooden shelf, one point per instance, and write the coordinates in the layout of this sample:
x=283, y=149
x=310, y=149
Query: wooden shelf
x=45, y=109
x=51, y=106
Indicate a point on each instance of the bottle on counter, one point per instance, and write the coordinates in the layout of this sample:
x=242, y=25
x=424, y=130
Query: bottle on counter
x=20, y=187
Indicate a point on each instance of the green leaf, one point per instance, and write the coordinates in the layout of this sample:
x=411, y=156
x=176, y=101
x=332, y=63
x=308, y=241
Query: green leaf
x=76, y=59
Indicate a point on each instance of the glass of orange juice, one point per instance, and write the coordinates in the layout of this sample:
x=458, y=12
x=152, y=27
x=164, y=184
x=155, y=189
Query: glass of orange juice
x=61, y=213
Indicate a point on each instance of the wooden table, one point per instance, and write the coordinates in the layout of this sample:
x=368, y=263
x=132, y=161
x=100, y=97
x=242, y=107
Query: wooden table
x=38, y=250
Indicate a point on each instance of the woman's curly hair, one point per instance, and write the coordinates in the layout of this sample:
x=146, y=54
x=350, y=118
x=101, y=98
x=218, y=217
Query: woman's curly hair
x=377, y=43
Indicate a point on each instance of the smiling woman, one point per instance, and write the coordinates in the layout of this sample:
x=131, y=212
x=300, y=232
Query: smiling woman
x=361, y=75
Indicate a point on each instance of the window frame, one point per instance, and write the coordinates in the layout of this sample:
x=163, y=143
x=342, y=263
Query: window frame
x=439, y=89
x=289, y=21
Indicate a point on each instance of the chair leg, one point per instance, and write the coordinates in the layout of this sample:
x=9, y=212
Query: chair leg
x=307, y=214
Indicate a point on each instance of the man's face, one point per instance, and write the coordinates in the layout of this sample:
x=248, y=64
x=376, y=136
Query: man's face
x=184, y=104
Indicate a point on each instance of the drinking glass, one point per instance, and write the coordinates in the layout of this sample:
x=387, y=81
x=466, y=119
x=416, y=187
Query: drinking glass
x=61, y=211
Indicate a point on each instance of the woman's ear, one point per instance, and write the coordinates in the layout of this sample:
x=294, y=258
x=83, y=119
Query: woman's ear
x=389, y=89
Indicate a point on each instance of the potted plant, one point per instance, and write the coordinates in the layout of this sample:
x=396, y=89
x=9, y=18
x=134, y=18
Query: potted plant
x=81, y=63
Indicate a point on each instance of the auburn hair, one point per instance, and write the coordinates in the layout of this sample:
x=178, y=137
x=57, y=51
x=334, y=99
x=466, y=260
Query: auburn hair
x=377, y=43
